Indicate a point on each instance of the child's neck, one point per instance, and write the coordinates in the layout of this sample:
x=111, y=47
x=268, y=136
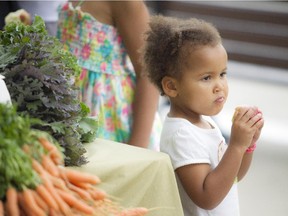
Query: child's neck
x=193, y=118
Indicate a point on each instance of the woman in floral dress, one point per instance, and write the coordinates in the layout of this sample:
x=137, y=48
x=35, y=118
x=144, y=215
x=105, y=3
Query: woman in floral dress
x=106, y=37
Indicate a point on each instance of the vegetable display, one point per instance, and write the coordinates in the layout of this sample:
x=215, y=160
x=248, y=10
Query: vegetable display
x=41, y=79
x=44, y=130
x=33, y=180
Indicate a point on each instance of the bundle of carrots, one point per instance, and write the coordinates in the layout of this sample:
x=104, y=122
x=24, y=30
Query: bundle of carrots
x=35, y=182
x=62, y=191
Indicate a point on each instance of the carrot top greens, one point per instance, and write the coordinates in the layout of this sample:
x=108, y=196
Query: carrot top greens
x=15, y=165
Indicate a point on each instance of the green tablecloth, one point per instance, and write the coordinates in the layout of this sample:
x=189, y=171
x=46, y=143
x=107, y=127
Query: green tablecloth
x=137, y=176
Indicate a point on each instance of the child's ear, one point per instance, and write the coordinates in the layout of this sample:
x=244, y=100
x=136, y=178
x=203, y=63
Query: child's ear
x=169, y=86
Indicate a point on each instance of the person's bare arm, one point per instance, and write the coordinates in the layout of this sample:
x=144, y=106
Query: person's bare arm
x=131, y=19
x=247, y=159
x=207, y=187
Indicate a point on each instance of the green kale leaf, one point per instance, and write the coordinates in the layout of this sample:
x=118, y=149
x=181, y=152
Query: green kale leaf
x=41, y=78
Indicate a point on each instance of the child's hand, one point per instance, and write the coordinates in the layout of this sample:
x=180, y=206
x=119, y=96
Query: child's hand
x=259, y=128
x=246, y=127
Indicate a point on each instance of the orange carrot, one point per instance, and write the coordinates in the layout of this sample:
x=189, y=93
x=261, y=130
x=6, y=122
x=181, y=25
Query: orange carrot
x=82, y=185
x=40, y=202
x=12, y=202
x=79, y=191
x=47, y=145
x=1, y=208
x=31, y=203
x=75, y=203
x=58, y=182
x=140, y=211
x=64, y=208
x=77, y=213
x=51, y=148
x=38, y=167
x=50, y=166
x=76, y=176
x=53, y=212
x=23, y=206
x=56, y=157
x=97, y=194
x=47, y=197
x=45, y=174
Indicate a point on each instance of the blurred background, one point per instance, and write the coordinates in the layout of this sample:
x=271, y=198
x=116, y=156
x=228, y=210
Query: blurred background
x=255, y=35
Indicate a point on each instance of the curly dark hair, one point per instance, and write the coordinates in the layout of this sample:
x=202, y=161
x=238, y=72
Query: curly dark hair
x=169, y=41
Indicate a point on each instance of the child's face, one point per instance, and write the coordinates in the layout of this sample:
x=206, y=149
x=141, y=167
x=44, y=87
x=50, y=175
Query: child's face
x=203, y=88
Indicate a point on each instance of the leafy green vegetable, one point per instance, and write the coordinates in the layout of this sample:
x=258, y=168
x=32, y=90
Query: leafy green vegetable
x=15, y=166
x=40, y=77
x=88, y=127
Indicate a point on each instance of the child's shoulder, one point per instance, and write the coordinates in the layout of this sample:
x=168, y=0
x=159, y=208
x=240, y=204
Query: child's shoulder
x=175, y=121
x=171, y=125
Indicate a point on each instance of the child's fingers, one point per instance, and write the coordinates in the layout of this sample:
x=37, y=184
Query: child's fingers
x=237, y=115
x=240, y=111
x=259, y=123
x=254, y=120
x=245, y=113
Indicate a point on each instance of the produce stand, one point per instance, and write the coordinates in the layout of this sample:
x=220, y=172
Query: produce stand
x=137, y=176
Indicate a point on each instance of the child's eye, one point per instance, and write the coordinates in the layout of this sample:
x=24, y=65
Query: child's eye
x=206, y=78
x=223, y=74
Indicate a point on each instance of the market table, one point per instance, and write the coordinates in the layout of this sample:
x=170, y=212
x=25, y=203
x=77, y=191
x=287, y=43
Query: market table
x=137, y=176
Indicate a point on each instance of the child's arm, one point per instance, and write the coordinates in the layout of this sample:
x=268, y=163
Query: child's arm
x=249, y=155
x=207, y=187
x=131, y=19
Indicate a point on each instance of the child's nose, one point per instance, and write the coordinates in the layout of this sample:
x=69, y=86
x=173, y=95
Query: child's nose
x=220, y=85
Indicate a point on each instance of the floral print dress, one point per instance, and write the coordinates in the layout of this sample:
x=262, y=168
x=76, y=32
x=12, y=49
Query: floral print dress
x=107, y=80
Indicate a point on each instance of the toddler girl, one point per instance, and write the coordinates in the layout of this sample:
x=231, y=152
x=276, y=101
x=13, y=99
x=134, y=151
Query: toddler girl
x=186, y=60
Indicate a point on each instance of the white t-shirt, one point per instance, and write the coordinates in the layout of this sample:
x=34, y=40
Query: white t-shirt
x=186, y=144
